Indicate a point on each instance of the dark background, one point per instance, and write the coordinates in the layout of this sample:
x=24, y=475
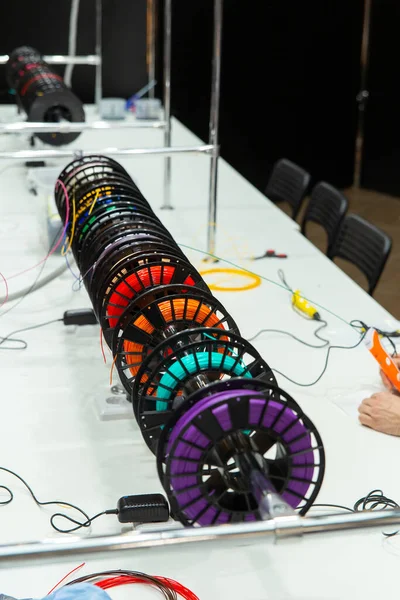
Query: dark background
x=382, y=124
x=290, y=76
x=44, y=25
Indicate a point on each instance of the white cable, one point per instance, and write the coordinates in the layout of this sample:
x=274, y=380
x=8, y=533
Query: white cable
x=36, y=286
x=73, y=31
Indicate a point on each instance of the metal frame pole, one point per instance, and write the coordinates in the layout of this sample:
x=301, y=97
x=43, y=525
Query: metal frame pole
x=363, y=94
x=98, y=81
x=214, y=122
x=152, y=19
x=167, y=101
x=73, y=153
x=20, y=554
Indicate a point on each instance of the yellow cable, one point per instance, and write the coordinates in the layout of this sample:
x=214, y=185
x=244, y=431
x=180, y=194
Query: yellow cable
x=214, y=287
x=95, y=200
x=71, y=237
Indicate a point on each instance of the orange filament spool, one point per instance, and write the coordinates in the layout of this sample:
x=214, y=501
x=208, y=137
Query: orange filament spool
x=177, y=309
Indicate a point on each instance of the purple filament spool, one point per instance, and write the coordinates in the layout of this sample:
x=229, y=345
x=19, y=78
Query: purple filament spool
x=217, y=417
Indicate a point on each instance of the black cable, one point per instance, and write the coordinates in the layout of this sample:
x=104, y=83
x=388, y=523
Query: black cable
x=282, y=277
x=386, y=334
x=322, y=325
x=325, y=366
x=79, y=525
x=25, y=344
x=372, y=501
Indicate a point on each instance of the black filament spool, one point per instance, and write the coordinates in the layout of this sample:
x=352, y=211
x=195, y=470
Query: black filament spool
x=84, y=194
x=43, y=95
x=89, y=228
x=120, y=221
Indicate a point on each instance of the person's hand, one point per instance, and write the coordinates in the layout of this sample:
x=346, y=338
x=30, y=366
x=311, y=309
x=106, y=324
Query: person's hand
x=381, y=412
x=387, y=383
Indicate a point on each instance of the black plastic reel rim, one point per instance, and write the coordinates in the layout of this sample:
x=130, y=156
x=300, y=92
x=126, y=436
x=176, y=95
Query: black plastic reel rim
x=111, y=224
x=113, y=247
x=80, y=181
x=146, y=307
x=238, y=358
x=132, y=251
x=214, y=482
x=97, y=272
x=107, y=226
x=236, y=384
x=110, y=195
x=118, y=267
x=105, y=213
x=114, y=298
x=94, y=164
x=92, y=193
x=80, y=194
x=88, y=161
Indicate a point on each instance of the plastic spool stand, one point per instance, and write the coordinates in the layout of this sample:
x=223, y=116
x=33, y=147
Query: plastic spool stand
x=114, y=408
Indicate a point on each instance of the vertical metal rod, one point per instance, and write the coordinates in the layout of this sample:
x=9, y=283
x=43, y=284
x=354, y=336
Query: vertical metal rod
x=152, y=19
x=214, y=122
x=363, y=94
x=167, y=101
x=98, y=51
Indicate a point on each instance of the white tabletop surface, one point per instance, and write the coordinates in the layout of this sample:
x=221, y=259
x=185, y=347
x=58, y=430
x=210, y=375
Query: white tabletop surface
x=50, y=429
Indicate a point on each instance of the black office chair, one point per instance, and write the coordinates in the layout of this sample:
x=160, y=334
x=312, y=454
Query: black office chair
x=288, y=183
x=364, y=245
x=327, y=207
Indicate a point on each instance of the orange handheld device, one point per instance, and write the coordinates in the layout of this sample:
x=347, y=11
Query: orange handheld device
x=374, y=345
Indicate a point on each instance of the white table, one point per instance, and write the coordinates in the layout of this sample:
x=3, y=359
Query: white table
x=51, y=434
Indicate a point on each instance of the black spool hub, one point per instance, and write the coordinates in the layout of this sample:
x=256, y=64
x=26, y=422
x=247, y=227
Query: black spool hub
x=183, y=306
x=207, y=441
x=168, y=375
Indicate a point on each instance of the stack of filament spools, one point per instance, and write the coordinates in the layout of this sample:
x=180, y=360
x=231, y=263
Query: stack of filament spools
x=206, y=402
x=42, y=93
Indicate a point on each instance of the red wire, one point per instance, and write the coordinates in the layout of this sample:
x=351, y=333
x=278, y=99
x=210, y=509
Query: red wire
x=66, y=577
x=183, y=591
x=60, y=239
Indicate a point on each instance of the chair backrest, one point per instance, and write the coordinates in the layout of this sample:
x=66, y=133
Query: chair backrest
x=364, y=245
x=327, y=207
x=288, y=183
